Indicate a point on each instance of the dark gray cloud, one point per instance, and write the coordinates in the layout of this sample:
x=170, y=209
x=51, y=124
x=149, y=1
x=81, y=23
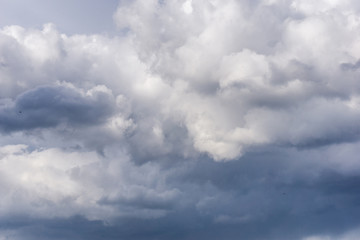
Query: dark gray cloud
x=260, y=197
x=45, y=107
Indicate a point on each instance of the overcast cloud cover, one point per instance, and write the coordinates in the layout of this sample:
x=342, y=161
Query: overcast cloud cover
x=190, y=119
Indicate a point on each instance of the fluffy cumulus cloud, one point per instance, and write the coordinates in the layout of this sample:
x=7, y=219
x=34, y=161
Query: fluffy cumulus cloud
x=199, y=119
x=252, y=73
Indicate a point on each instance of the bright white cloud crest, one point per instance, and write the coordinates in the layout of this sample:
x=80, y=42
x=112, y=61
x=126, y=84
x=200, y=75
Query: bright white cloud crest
x=238, y=77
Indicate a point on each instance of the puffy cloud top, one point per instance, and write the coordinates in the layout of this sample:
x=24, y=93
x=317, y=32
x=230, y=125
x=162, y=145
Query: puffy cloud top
x=252, y=73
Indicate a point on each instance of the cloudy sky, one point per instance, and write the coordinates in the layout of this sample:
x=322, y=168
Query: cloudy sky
x=180, y=119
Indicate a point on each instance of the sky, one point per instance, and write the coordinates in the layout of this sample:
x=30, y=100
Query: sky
x=180, y=119
x=70, y=16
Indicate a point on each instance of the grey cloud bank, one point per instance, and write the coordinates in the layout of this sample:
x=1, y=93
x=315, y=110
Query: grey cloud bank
x=198, y=120
x=49, y=106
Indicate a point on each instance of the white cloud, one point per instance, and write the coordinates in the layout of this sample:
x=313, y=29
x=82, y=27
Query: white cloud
x=55, y=183
x=349, y=235
x=242, y=86
x=248, y=71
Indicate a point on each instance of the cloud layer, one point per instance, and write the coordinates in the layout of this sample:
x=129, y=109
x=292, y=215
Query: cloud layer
x=199, y=120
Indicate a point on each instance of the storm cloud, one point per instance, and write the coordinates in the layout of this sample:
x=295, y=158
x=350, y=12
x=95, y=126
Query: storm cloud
x=194, y=119
x=49, y=106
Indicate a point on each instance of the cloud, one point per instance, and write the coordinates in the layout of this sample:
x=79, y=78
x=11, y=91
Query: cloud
x=56, y=183
x=350, y=235
x=251, y=73
x=194, y=199
x=49, y=106
x=199, y=120
x=230, y=93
